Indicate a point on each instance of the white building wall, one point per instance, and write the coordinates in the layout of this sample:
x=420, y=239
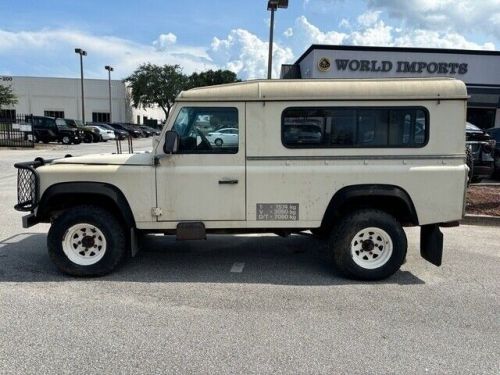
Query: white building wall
x=39, y=94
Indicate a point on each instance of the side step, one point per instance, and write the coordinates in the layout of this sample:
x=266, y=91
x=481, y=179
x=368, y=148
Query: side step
x=194, y=230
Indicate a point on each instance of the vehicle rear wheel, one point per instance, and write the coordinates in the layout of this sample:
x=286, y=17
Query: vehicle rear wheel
x=65, y=140
x=368, y=245
x=86, y=241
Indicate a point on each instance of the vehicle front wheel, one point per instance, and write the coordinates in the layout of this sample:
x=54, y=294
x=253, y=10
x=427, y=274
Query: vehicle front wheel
x=218, y=142
x=65, y=140
x=368, y=245
x=86, y=241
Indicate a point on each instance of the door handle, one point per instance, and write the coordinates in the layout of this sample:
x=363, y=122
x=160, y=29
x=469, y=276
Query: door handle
x=228, y=182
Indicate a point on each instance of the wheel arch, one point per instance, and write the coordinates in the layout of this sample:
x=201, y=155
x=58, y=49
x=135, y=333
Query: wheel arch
x=389, y=198
x=61, y=196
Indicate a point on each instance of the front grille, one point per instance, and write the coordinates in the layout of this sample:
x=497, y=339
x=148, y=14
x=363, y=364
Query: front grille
x=27, y=185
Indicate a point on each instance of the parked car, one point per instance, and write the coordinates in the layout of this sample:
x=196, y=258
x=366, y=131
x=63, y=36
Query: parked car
x=223, y=137
x=302, y=134
x=481, y=146
x=50, y=129
x=495, y=134
x=149, y=131
x=119, y=133
x=89, y=135
x=130, y=129
x=358, y=197
x=104, y=133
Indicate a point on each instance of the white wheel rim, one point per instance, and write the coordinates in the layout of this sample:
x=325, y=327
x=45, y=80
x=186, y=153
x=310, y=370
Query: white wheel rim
x=84, y=244
x=371, y=248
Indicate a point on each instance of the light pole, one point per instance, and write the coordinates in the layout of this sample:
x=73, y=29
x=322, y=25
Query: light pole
x=82, y=53
x=109, y=69
x=273, y=5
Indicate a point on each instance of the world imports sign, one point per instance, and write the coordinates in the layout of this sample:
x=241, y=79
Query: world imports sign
x=385, y=66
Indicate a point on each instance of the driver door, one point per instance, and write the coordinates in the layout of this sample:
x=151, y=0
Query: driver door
x=204, y=181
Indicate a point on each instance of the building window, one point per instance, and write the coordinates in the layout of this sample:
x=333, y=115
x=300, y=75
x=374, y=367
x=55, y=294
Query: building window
x=207, y=130
x=54, y=114
x=8, y=114
x=100, y=116
x=326, y=127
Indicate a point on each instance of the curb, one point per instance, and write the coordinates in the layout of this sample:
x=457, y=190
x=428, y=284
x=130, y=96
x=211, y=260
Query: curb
x=481, y=220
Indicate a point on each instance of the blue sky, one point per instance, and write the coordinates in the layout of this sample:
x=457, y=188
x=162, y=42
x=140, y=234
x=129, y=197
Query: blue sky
x=38, y=37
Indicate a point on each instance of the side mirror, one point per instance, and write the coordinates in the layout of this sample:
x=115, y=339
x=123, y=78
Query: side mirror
x=171, y=142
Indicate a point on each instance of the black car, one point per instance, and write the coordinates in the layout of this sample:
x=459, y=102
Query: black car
x=51, y=129
x=481, y=147
x=149, y=130
x=89, y=135
x=495, y=134
x=130, y=129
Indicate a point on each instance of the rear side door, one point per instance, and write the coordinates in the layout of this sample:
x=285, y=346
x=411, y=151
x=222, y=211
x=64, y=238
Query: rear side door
x=203, y=181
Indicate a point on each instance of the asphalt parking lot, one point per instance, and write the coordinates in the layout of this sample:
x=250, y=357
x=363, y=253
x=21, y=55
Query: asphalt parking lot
x=243, y=304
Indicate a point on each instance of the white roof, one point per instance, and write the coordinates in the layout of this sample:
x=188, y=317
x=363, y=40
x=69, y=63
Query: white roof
x=331, y=89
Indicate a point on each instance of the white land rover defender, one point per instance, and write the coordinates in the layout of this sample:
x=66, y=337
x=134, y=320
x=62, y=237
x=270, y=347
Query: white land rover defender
x=353, y=161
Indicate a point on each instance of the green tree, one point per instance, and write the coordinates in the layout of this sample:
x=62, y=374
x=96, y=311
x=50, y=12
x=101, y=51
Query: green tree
x=7, y=96
x=211, y=77
x=153, y=84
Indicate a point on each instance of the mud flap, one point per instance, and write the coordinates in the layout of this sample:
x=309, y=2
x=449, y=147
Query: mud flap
x=431, y=244
x=134, y=242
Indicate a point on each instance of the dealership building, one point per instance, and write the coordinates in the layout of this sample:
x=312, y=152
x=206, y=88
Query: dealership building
x=62, y=97
x=479, y=70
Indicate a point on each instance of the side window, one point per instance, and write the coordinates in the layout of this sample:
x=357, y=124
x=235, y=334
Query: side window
x=303, y=127
x=207, y=130
x=354, y=127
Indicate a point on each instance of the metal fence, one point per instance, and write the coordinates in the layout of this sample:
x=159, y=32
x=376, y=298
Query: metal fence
x=16, y=131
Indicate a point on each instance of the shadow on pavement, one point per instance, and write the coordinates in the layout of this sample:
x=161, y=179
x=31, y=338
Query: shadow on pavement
x=296, y=260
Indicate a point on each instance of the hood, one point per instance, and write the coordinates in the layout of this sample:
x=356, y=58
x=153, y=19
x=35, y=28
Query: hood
x=143, y=158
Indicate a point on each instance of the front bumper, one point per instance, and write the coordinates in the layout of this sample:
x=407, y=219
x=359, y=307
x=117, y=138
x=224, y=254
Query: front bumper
x=30, y=220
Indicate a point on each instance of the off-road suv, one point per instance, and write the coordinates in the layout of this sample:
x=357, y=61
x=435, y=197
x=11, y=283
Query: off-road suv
x=50, y=129
x=382, y=158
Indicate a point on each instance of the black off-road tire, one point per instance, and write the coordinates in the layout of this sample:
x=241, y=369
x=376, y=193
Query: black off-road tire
x=320, y=233
x=345, y=231
x=102, y=219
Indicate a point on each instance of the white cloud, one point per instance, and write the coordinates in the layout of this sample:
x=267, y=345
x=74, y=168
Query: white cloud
x=50, y=52
x=164, y=41
x=444, y=15
x=306, y=33
x=370, y=30
x=246, y=55
x=369, y=18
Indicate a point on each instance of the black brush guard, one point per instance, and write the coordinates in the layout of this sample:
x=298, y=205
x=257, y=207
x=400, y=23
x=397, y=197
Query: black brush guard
x=28, y=184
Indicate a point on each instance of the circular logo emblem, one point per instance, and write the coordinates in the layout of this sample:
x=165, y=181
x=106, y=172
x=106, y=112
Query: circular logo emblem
x=324, y=64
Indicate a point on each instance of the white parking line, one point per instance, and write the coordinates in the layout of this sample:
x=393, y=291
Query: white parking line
x=237, y=267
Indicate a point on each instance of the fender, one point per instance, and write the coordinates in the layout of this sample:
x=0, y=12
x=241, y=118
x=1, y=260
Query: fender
x=373, y=195
x=62, y=192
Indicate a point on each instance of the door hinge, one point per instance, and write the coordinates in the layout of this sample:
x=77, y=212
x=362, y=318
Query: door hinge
x=156, y=211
